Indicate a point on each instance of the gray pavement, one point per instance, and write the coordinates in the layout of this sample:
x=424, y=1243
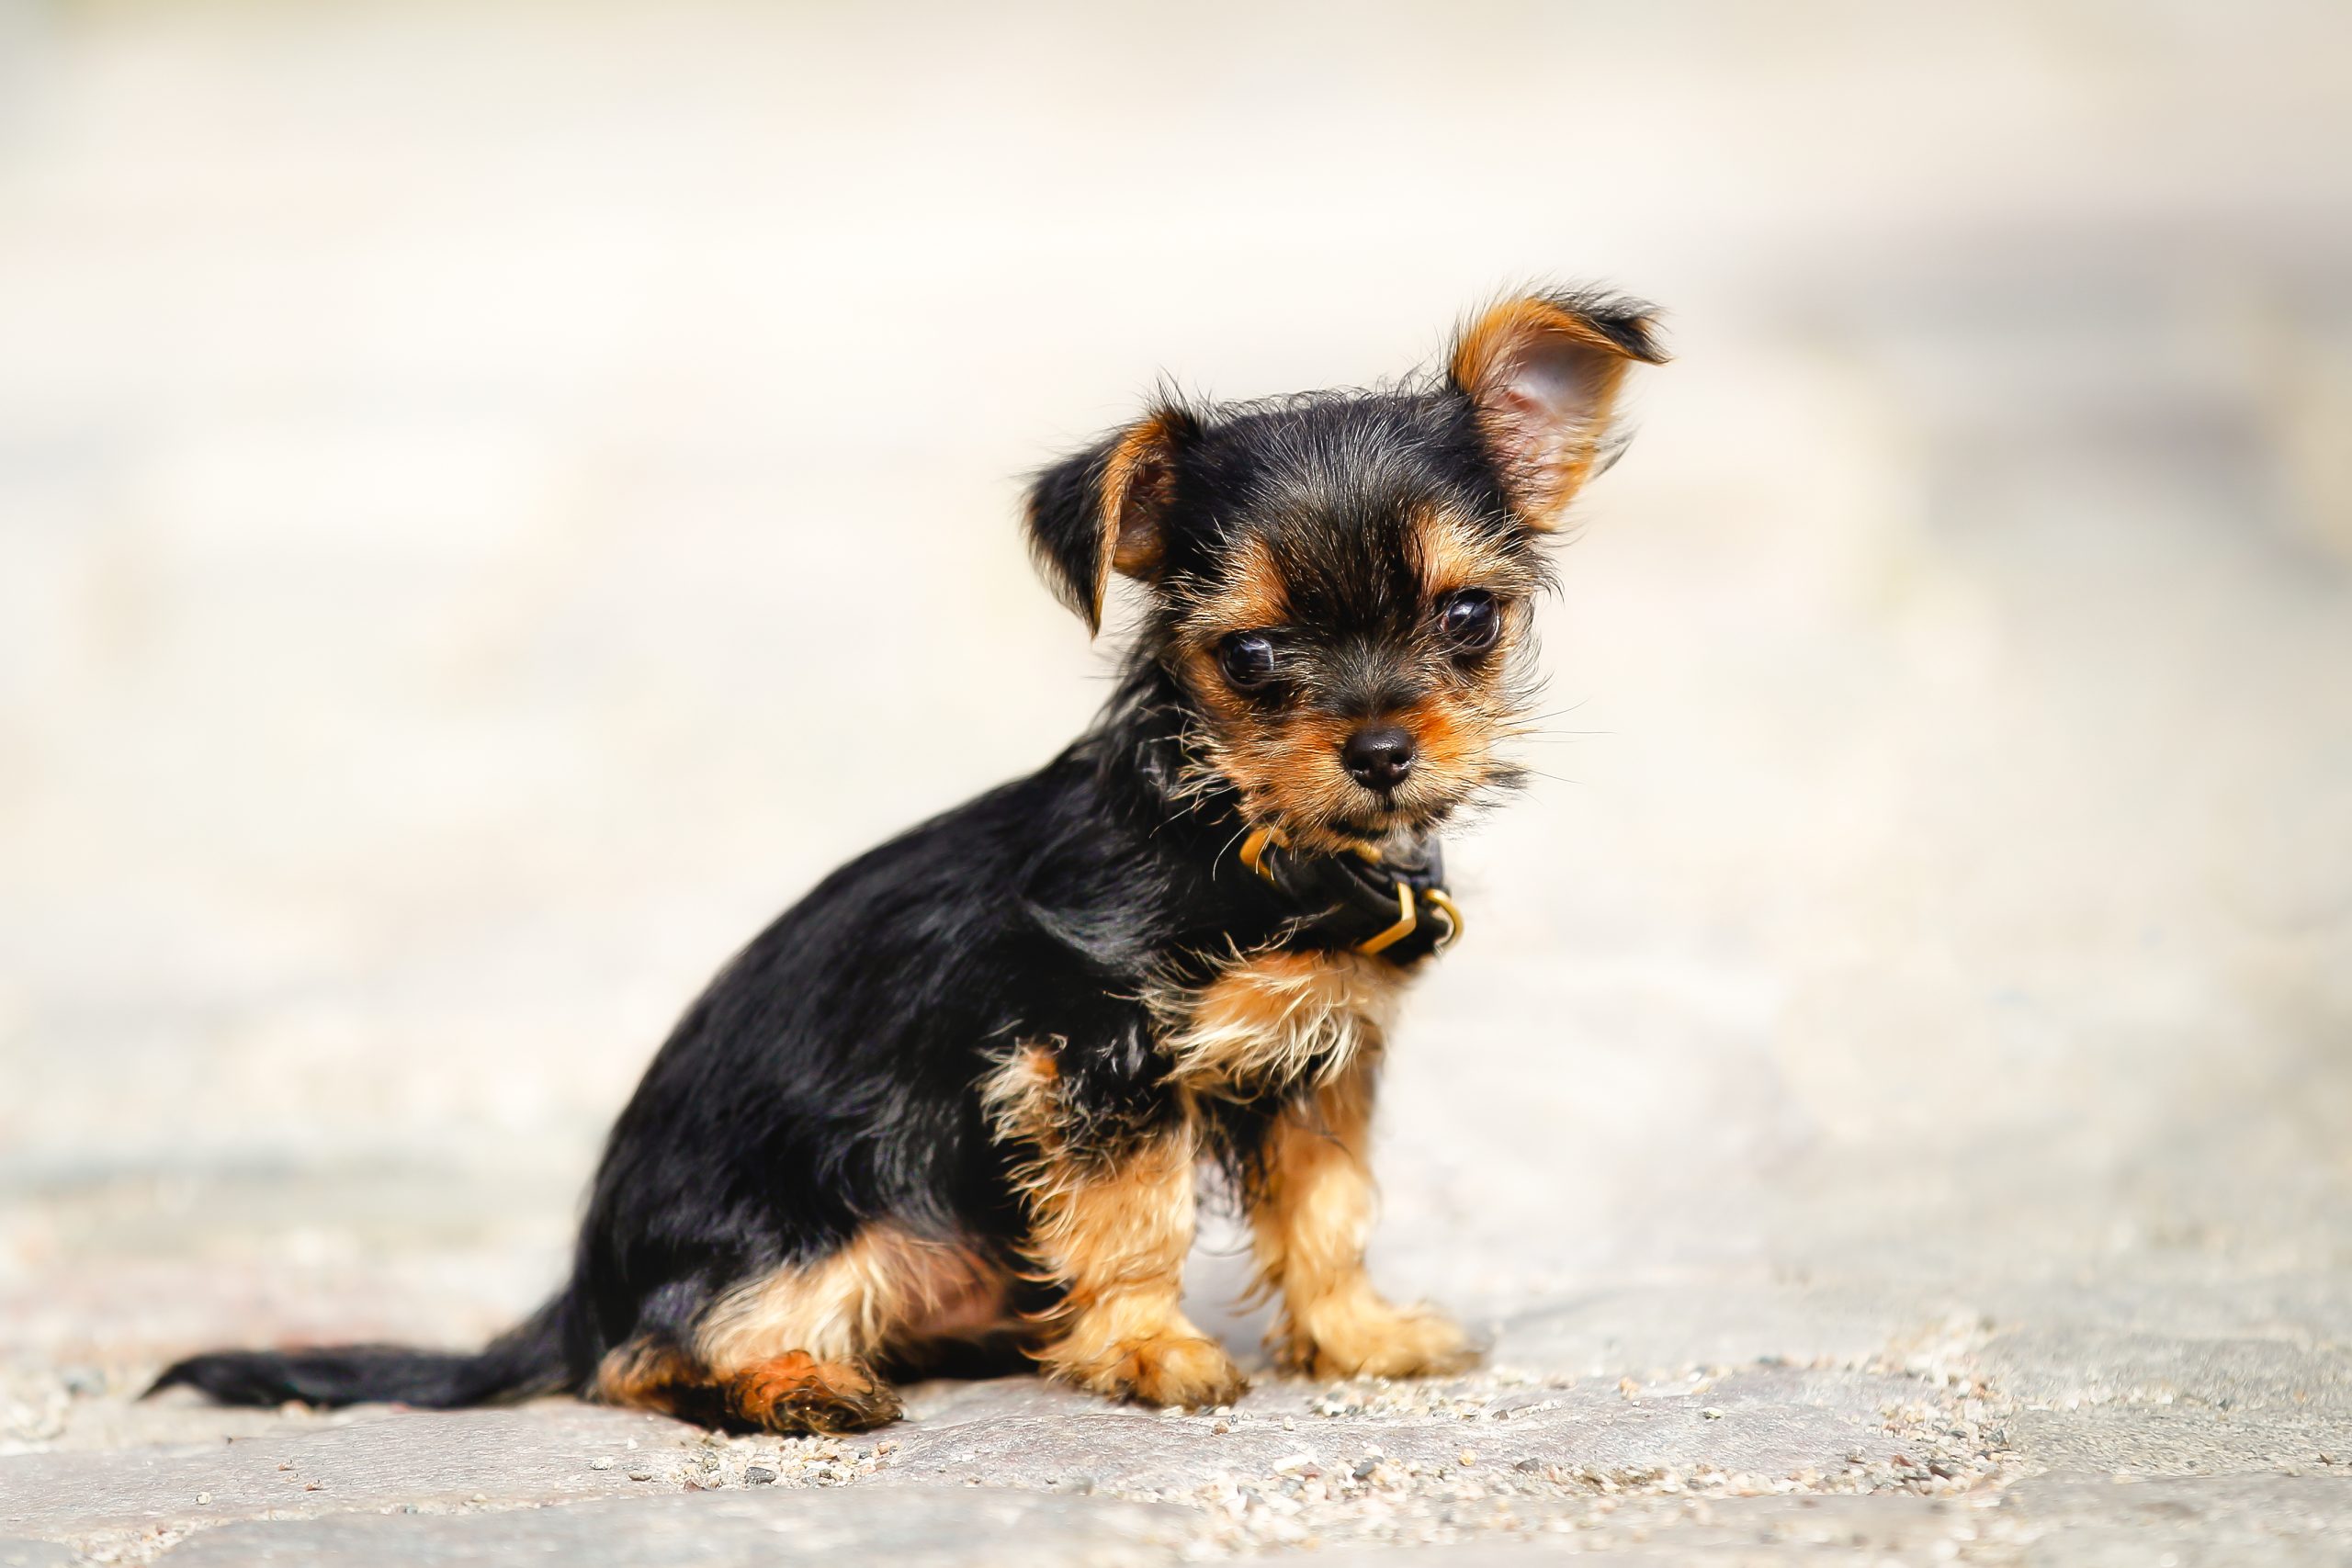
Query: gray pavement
x=494, y=500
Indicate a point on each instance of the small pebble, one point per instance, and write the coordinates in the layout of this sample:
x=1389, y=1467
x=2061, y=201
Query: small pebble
x=640, y=1474
x=602, y=1461
x=204, y=1496
x=1712, y=1413
x=759, y=1476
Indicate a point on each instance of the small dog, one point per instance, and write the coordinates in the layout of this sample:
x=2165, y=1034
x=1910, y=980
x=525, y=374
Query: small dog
x=948, y=1111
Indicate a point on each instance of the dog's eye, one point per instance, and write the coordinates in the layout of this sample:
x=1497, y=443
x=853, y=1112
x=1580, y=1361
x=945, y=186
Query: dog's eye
x=1247, y=659
x=1470, y=620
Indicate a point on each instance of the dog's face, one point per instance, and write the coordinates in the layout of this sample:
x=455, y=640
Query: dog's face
x=1347, y=603
x=1343, y=584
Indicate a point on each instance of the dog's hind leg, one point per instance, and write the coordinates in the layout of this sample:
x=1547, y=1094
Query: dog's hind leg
x=792, y=1392
x=795, y=1350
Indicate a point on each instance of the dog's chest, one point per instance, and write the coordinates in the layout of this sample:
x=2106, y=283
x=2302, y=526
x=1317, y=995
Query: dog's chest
x=1277, y=1019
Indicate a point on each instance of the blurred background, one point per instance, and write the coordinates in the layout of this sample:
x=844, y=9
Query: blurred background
x=496, y=499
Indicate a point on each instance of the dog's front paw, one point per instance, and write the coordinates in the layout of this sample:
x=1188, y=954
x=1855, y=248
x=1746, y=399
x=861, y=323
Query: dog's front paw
x=1369, y=1338
x=1171, y=1368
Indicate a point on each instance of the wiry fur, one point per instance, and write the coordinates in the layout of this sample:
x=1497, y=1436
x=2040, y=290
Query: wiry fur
x=953, y=1098
x=1276, y=1022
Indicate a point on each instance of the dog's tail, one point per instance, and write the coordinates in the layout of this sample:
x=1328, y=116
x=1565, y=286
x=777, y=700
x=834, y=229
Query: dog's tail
x=530, y=1359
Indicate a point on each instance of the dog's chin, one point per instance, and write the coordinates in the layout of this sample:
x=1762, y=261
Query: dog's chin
x=1356, y=820
x=1377, y=825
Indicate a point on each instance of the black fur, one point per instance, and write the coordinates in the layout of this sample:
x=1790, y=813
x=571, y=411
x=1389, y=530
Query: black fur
x=826, y=1077
x=526, y=1360
x=829, y=1074
x=1064, y=511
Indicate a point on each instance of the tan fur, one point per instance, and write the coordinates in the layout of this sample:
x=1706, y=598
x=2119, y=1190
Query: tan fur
x=1309, y=1224
x=1547, y=447
x=1021, y=1097
x=887, y=1288
x=1286, y=763
x=1279, y=1019
x=1251, y=595
x=644, y=1375
x=1111, y=1228
x=791, y=1352
x=797, y=1392
x=1134, y=487
x=1452, y=737
x=1487, y=348
x=792, y=1392
x=1287, y=767
x=1450, y=553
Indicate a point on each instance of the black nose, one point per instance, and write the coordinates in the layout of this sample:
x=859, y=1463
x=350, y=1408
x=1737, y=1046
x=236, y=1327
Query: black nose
x=1379, y=758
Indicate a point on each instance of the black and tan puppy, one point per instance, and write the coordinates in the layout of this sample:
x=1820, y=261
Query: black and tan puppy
x=958, y=1096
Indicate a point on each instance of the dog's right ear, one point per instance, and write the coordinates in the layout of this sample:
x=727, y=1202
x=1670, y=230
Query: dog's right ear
x=1102, y=508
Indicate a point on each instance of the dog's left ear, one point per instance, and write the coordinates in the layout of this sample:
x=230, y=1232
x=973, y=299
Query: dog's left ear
x=1543, y=375
x=1103, y=509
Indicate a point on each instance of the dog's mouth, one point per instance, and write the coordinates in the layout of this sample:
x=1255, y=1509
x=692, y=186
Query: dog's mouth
x=1317, y=807
x=1388, y=821
x=1377, y=823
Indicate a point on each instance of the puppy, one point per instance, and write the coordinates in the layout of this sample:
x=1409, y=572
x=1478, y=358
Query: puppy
x=949, y=1108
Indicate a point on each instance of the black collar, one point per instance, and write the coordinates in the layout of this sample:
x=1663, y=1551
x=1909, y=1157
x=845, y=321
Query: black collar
x=1394, y=906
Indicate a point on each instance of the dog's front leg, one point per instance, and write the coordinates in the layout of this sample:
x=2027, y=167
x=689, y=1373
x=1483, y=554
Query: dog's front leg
x=1310, y=1215
x=1112, y=1229
x=1110, y=1218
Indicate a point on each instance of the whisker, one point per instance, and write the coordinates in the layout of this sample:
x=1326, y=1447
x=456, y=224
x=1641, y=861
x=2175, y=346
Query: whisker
x=1558, y=713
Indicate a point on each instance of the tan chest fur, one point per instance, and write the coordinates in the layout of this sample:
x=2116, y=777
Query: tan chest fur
x=1280, y=1020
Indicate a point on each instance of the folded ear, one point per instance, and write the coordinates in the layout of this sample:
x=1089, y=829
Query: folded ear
x=1543, y=375
x=1103, y=509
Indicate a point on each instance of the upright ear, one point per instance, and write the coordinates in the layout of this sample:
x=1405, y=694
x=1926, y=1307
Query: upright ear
x=1543, y=375
x=1104, y=508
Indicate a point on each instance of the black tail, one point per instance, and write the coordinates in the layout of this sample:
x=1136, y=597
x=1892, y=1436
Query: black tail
x=527, y=1359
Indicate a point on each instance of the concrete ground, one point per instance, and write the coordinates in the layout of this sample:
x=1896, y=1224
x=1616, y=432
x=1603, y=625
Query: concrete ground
x=493, y=501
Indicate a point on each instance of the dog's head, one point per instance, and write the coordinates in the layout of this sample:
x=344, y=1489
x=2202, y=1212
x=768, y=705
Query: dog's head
x=1341, y=584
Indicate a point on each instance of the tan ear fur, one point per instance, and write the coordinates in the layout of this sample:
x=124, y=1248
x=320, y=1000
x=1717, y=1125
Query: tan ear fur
x=1139, y=481
x=1101, y=510
x=1543, y=373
